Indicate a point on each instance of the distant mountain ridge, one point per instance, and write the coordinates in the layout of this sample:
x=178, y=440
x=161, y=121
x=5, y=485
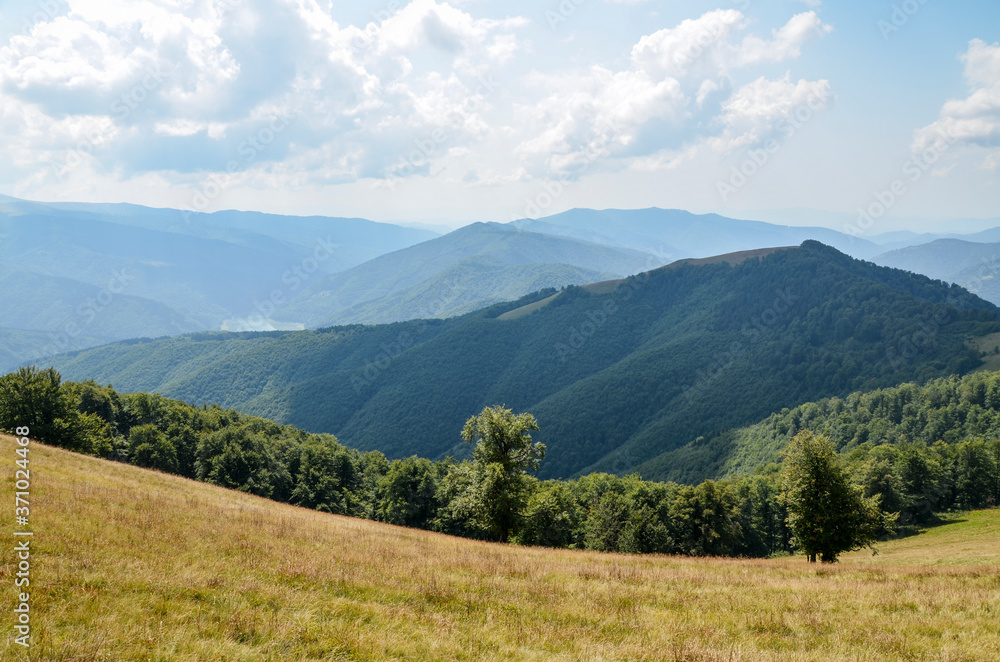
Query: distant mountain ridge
x=254, y=271
x=682, y=234
x=616, y=377
x=184, y=272
x=422, y=280
x=973, y=265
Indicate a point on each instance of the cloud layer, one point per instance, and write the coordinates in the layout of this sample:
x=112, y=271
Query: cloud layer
x=279, y=91
x=975, y=120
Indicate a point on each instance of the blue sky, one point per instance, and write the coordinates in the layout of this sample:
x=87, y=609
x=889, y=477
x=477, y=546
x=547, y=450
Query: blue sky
x=484, y=110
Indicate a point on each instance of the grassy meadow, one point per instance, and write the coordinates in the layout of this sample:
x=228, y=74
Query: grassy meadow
x=130, y=564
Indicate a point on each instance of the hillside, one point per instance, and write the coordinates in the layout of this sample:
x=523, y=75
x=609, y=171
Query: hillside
x=948, y=409
x=135, y=564
x=467, y=286
x=445, y=276
x=160, y=272
x=359, y=239
x=34, y=301
x=681, y=234
x=975, y=266
x=615, y=379
x=18, y=345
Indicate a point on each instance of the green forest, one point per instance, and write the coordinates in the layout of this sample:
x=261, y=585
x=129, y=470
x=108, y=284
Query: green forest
x=949, y=410
x=907, y=478
x=614, y=377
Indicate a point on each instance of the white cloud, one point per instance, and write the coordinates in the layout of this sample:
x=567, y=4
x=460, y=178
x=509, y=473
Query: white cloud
x=704, y=45
x=426, y=23
x=166, y=92
x=179, y=87
x=695, y=42
x=650, y=111
x=975, y=120
x=759, y=109
x=786, y=42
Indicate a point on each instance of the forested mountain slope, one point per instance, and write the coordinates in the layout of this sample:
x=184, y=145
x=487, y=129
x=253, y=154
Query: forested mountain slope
x=615, y=376
x=949, y=409
x=155, y=272
x=444, y=277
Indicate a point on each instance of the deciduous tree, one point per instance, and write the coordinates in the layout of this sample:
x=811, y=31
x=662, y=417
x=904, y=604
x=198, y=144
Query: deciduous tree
x=504, y=454
x=827, y=514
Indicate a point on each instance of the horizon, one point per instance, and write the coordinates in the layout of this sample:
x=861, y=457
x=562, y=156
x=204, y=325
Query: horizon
x=779, y=217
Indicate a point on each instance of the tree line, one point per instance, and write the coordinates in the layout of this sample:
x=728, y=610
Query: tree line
x=816, y=500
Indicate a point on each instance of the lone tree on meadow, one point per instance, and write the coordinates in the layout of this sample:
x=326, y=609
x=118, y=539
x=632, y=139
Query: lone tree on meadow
x=826, y=513
x=502, y=458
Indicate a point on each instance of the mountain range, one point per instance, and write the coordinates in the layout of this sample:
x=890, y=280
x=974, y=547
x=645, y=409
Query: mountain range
x=470, y=268
x=80, y=275
x=617, y=373
x=676, y=234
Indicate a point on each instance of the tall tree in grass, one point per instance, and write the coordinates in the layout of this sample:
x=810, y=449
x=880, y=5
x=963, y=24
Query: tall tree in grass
x=827, y=514
x=503, y=456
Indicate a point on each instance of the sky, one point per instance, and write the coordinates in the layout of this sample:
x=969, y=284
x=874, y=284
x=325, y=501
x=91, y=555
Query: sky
x=881, y=115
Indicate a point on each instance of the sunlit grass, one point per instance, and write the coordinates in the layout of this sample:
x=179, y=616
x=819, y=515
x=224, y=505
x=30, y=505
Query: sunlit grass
x=136, y=565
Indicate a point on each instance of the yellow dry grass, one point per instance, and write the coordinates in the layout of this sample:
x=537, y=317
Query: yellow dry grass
x=518, y=313
x=137, y=565
x=987, y=344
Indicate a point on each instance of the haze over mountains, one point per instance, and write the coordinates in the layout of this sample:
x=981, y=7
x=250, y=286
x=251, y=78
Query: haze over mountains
x=975, y=266
x=616, y=374
x=468, y=269
x=679, y=234
x=80, y=275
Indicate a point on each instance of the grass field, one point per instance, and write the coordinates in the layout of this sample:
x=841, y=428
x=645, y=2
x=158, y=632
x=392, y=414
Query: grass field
x=135, y=565
x=988, y=344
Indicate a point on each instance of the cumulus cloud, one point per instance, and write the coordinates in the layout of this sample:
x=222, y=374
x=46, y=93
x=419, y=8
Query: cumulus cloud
x=278, y=93
x=181, y=87
x=975, y=120
x=674, y=88
x=706, y=44
x=763, y=108
x=786, y=42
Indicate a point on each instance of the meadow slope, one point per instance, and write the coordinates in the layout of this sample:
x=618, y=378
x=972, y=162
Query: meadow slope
x=136, y=565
